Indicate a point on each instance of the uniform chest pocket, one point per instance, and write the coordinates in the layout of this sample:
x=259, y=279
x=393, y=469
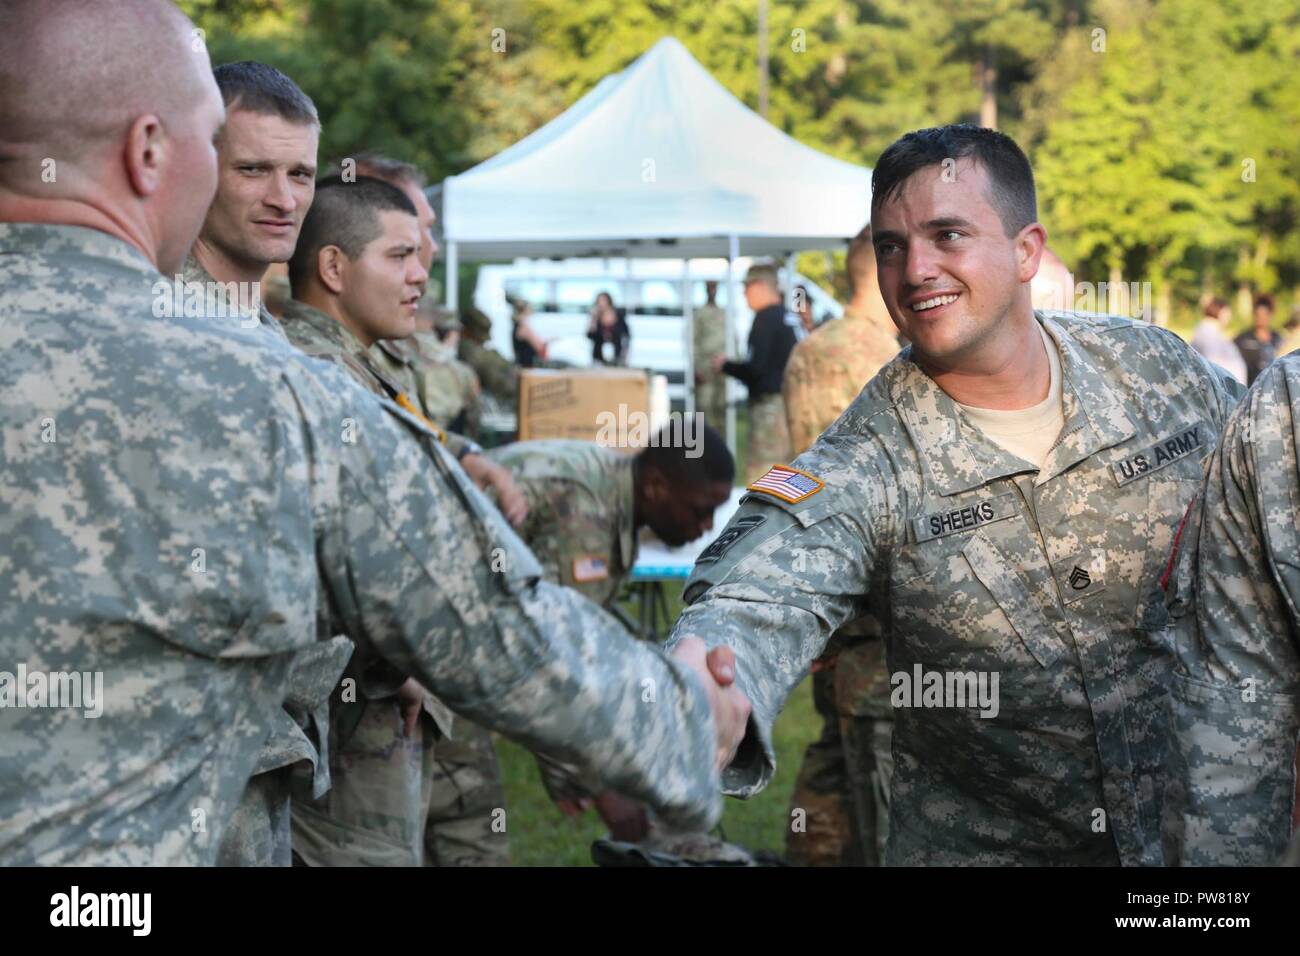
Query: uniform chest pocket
x=1010, y=591
x=960, y=599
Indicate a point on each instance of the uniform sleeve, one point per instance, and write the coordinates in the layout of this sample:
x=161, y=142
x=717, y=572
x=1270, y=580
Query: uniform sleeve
x=1234, y=694
x=778, y=581
x=419, y=568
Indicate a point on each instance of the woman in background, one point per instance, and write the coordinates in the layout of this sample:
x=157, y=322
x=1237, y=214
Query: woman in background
x=609, y=332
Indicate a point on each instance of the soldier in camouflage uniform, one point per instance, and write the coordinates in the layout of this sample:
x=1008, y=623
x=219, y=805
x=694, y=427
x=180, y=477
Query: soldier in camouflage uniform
x=1026, y=633
x=383, y=779
x=586, y=505
x=709, y=338
x=240, y=253
x=497, y=374
x=843, y=783
x=183, y=517
x=1236, y=693
x=464, y=823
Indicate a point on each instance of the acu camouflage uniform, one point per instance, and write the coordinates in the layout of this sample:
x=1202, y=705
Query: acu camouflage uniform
x=295, y=758
x=173, y=435
x=1236, y=693
x=979, y=563
x=393, y=794
x=709, y=338
x=842, y=787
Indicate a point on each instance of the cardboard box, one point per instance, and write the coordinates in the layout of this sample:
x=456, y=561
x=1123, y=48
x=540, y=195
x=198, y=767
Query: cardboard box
x=608, y=406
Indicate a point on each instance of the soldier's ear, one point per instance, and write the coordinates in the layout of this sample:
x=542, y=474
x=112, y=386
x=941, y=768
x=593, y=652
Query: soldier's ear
x=330, y=267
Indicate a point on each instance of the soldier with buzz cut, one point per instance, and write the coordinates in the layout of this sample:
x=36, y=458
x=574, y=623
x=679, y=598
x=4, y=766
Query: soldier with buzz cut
x=193, y=507
x=1002, y=496
x=1236, y=694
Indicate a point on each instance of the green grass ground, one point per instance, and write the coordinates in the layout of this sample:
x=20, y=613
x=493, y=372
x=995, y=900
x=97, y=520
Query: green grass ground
x=542, y=836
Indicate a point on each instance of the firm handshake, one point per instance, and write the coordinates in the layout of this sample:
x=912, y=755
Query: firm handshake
x=716, y=670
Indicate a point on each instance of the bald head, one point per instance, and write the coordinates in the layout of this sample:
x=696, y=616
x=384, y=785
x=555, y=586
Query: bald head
x=105, y=110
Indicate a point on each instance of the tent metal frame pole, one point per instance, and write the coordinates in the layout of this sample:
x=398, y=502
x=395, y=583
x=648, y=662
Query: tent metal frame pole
x=688, y=310
x=451, y=259
x=791, y=264
x=729, y=385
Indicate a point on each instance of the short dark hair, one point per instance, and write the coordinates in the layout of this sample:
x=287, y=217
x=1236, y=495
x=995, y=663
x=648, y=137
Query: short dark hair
x=390, y=170
x=261, y=88
x=674, y=460
x=343, y=214
x=1011, y=178
x=1264, y=300
x=1214, y=307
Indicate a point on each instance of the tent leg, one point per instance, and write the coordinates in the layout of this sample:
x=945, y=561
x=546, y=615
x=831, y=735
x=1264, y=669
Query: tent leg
x=791, y=268
x=688, y=313
x=451, y=260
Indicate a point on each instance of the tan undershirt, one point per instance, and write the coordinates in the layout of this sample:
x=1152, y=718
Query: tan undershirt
x=1027, y=433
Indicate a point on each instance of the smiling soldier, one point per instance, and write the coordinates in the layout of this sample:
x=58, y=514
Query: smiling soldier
x=984, y=496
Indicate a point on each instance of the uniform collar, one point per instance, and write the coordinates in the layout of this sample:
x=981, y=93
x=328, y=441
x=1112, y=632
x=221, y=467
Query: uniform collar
x=39, y=238
x=959, y=457
x=326, y=327
x=193, y=271
x=397, y=350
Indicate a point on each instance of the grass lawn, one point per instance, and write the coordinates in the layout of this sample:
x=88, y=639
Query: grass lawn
x=542, y=836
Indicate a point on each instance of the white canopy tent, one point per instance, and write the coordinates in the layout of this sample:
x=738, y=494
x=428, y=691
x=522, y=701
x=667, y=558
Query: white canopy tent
x=657, y=161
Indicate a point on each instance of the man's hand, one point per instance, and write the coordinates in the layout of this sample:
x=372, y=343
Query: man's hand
x=410, y=701
x=627, y=820
x=716, y=670
x=489, y=475
x=717, y=362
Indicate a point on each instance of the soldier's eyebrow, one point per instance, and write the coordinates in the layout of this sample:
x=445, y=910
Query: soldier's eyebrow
x=947, y=222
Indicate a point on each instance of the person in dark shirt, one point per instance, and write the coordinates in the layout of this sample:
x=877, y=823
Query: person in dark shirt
x=609, y=332
x=771, y=339
x=1260, y=345
x=530, y=348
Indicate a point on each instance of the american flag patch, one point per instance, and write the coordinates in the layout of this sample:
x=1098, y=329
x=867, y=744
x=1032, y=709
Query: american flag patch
x=788, y=484
x=590, y=568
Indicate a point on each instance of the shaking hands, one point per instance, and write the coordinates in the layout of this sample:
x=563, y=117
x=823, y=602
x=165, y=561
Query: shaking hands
x=716, y=670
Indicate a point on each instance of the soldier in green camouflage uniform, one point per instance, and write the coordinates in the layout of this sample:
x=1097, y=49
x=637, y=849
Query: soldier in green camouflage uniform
x=709, y=338
x=1236, y=693
x=497, y=374
x=1026, y=633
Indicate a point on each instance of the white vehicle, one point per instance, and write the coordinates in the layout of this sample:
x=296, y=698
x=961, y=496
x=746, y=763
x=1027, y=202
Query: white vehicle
x=562, y=293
